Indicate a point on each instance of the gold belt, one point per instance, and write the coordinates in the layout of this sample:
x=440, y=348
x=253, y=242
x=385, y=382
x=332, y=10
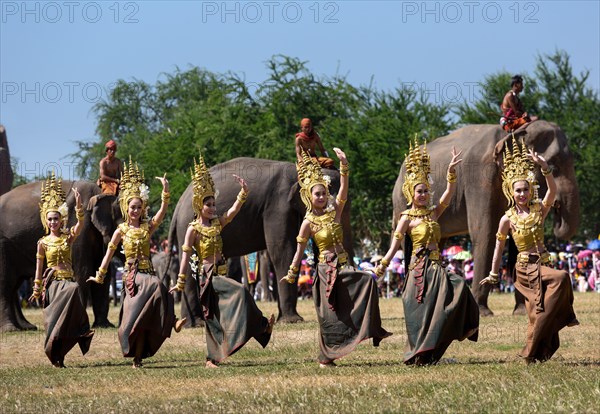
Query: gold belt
x=342, y=258
x=63, y=274
x=433, y=255
x=525, y=258
x=144, y=265
x=222, y=270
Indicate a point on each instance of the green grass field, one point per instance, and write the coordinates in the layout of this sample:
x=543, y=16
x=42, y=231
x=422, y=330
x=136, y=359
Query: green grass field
x=486, y=376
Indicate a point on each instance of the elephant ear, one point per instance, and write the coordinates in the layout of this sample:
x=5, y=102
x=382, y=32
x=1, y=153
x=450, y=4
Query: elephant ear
x=295, y=200
x=104, y=214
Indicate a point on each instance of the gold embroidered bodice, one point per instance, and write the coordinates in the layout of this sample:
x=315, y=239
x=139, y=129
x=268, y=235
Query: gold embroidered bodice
x=58, y=250
x=527, y=232
x=136, y=241
x=209, y=243
x=326, y=232
x=427, y=231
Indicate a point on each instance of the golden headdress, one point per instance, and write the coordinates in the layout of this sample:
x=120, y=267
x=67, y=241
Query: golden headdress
x=203, y=185
x=517, y=167
x=309, y=175
x=417, y=170
x=53, y=199
x=132, y=186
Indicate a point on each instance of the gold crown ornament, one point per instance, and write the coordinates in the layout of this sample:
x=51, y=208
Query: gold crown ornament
x=132, y=186
x=203, y=185
x=309, y=175
x=418, y=169
x=53, y=199
x=518, y=167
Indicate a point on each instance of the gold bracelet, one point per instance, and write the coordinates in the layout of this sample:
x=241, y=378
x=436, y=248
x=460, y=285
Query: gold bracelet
x=112, y=246
x=300, y=239
x=37, y=282
x=451, y=177
x=344, y=169
x=181, y=276
x=102, y=271
x=294, y=268
x=547, y=172
x=398, y=235
x=501, y=236
x=385, y=262
x=79, y=213
x=165, y=197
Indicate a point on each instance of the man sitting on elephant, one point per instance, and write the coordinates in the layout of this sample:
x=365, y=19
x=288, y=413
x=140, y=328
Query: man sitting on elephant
x=513, y=114
x=111, y=169
x=307, y=140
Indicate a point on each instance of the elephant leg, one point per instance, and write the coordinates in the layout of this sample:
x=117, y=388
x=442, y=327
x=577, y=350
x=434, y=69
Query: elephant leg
x=22, y=322
x=482, y=235
x=282, y=252
x=101, y=302
x=264, y=269
x=11, y=317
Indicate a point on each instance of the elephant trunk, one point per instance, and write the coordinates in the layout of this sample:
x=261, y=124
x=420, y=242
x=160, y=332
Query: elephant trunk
x=566, y=217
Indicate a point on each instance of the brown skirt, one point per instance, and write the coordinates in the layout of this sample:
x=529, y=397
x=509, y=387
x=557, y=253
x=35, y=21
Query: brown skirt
x=147, y=315
x=347, y=305
x=65, y=320
x=231, y=317
x=549, y=302
x=438, y=309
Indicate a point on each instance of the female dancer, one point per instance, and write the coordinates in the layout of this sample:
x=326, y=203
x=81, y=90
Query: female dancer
x=346, y=300
x=65, y=319
x=147, y=314
x=548, y=292
x=230, y=314
x=438, y=306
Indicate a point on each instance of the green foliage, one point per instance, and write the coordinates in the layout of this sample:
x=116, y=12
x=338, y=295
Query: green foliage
x=556, y=94
x=164, y=126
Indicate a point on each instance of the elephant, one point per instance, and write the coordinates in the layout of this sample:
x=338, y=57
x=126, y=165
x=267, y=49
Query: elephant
x=264, y=268
x=6, y=173
x=21, y=228
x=270, y=219
x=478, y=203
x=166, y=268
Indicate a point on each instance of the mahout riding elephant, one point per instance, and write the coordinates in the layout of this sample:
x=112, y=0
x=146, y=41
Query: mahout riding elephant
x=6, y=173
x=478, y=203
x=21, y=228
x=270, y=219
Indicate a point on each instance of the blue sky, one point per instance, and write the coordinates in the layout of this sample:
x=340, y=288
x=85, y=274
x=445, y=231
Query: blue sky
x=57, y=58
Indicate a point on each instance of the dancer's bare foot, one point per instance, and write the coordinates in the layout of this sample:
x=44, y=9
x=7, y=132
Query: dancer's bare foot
x=327, y=365
x=271, y=323
x=210, y=364
x=179, y=324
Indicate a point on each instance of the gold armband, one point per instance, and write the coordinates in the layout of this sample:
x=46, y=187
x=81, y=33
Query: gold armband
x=186, y=248
x=501, y=236
x=545, y=204
x=112, y=246
x=385, y=263
x=301, y=239
x=39, y=256
x=451, y=177
x=443, y=205
x=547, y=172
x=165, y=197
x=242, y=196
x=340, y=201
x=398, y=235
x=344, y=169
